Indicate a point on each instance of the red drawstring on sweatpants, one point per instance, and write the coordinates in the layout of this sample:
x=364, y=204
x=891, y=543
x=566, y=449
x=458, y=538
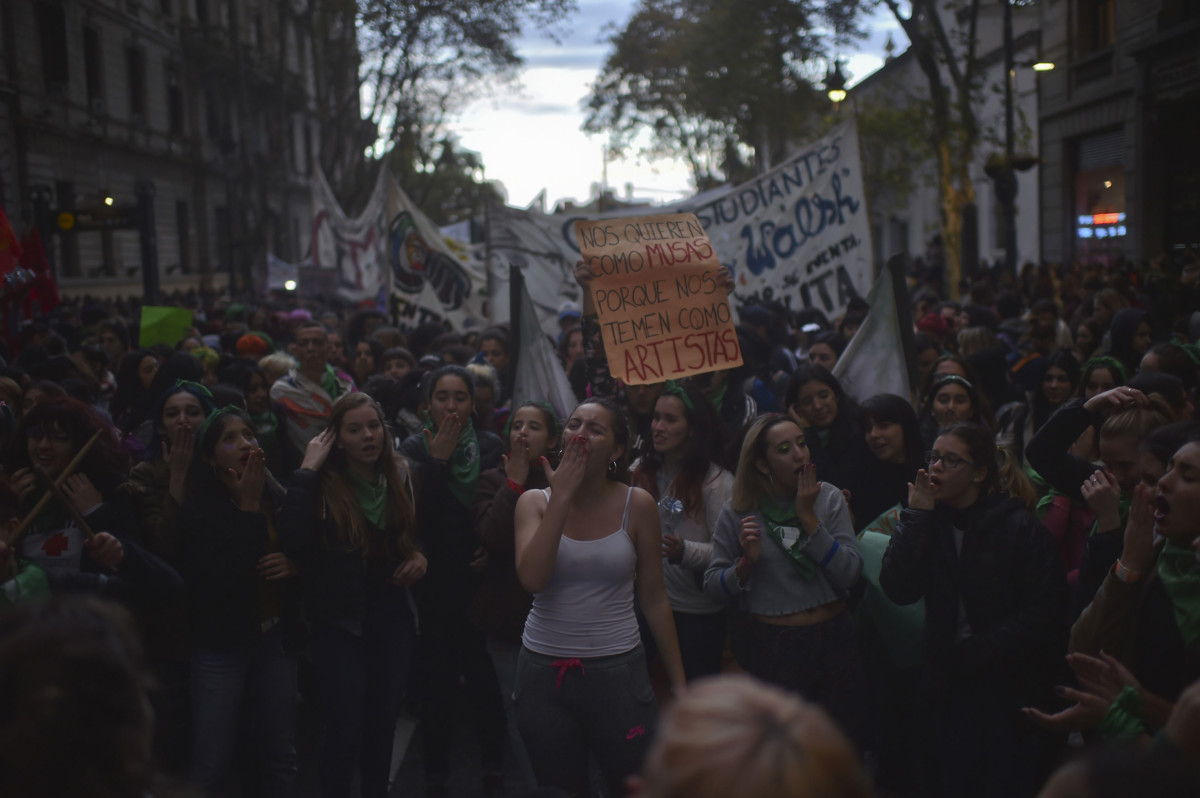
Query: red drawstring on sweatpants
x=562, y=666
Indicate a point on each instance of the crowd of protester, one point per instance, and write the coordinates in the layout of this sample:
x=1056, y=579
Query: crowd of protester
x=987, y=588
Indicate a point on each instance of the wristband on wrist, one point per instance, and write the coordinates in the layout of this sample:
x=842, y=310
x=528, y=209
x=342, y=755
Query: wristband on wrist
x=1125, y=574
x=515, y=487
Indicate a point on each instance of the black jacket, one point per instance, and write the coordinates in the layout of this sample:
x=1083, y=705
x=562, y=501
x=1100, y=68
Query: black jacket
x=338, y=583
x=1047, y=452
x=222, y=545
x=1010, y=581
x=445, y=529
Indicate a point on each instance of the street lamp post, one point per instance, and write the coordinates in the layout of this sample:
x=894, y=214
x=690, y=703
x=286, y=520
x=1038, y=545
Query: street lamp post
x=1009, y=178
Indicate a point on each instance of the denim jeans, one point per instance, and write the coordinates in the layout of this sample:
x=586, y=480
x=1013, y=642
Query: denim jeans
x=450, y=645
x=256, y=678
x=361, y=681
x=567, y=708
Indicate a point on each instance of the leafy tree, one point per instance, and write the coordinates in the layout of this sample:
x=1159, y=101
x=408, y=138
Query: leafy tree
x=724, y=84
x=392, y=71
x=952, y=72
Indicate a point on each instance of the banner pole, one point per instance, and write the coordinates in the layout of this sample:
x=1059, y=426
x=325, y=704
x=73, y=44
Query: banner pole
x=516, y=288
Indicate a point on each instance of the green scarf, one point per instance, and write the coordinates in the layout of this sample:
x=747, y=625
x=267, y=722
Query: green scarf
x=1123, y=719
x=1177, y=570
x=372, y=497
x=464, y=463
x=265, y=423
x=782, y=524
x=717, y=397
x=329, y=382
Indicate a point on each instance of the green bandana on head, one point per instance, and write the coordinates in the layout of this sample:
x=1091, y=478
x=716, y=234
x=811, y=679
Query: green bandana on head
x=783, y=527
x=677, y=390
x=464, y=463
x=1178, y=571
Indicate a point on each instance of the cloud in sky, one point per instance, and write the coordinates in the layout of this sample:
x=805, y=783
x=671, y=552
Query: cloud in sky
x=530, y=136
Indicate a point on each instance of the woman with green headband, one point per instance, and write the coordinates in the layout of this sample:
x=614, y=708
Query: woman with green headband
x=501, y=605
x=150, y=502
x=682, y=472
x=242, y=599
x=447, y=458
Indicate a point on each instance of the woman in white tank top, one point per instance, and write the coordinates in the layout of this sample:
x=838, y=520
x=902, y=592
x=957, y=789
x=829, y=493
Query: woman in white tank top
x=581, y=548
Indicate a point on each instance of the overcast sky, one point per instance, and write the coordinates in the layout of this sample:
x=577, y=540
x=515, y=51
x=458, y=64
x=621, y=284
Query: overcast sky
x=530, y=135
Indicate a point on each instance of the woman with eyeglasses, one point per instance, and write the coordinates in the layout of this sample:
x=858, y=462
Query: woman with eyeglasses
x=47, y=438
x=784, y=550
x=995, y=608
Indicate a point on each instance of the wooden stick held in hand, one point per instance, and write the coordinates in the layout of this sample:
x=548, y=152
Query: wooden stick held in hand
x=42, y=502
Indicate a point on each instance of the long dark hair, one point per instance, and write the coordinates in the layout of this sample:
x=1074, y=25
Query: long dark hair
x=1042, y=408
x=811, y=372
x=131, y=399
x=204, y=482
x=703, y=448
x=896, y=410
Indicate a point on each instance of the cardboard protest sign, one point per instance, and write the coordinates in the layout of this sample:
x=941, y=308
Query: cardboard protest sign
x=663, y=313
x=163, y=325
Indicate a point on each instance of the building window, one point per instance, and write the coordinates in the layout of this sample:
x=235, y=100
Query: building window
x=93, y=65
x=1100, y=223
x=1096, y=25
x=202, y=11
x=183, y=234
x=165, y=7
x=52, y=30
x=174, y=103
x=135, y=59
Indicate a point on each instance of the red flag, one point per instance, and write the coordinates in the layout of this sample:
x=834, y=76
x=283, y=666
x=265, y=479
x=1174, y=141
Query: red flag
x=45, y=289
x=10, y=249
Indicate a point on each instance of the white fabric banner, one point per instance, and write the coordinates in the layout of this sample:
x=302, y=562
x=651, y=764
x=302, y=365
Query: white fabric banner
x=874, y=359
x=394, y=255
x=798, y=234
x=540, y=376
x=355, y=248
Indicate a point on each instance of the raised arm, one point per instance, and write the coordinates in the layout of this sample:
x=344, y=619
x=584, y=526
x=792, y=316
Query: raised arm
x=539, y=523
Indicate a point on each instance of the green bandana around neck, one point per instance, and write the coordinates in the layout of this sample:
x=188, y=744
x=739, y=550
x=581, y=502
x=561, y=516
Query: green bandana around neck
x=1178, y=572
x=329, y=382
x=372, y=497
x=783, y=527
x=265, y=423
x=464, y=463
x=717, y=397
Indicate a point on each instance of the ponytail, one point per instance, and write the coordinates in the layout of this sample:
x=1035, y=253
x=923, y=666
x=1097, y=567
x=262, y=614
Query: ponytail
x=1011, y=479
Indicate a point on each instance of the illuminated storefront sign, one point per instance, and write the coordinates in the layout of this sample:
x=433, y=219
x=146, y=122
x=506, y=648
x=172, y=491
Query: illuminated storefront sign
x=1101, y=225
